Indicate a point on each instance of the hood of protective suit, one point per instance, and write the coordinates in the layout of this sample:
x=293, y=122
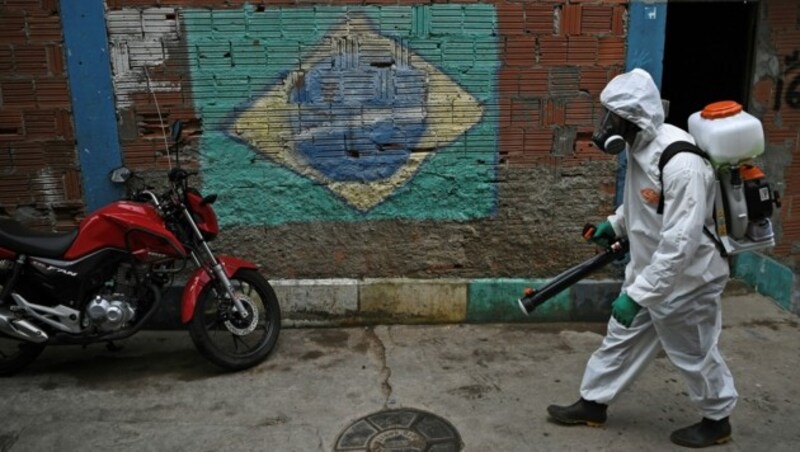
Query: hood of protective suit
x=635, y=97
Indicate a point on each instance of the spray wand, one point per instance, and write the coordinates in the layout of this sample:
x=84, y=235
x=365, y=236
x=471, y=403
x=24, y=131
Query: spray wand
x=533, y=298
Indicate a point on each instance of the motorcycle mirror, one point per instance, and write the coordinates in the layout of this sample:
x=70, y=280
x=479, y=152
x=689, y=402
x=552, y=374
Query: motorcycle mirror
x=175, y=131
x=120, y=175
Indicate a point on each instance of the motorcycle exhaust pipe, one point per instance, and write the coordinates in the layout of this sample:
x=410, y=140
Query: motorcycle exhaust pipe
x=534, y=298
x=21, y=329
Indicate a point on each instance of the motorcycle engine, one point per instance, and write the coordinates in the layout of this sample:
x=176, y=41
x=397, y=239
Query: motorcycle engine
x=110, y=312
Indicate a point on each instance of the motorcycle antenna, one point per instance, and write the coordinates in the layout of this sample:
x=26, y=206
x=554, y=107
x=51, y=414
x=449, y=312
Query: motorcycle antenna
x=160, y=118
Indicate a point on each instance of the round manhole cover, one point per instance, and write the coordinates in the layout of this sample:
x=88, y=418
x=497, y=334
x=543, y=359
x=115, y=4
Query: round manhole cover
x=403, y=430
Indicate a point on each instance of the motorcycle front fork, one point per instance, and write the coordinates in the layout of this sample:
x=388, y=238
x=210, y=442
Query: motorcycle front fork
x=221, y=278
x=215, y=266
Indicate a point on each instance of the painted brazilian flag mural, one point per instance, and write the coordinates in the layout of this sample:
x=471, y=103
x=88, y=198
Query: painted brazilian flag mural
x=346, y=113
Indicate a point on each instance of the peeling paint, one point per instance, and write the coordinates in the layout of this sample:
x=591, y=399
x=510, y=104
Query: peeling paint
x=138, y=39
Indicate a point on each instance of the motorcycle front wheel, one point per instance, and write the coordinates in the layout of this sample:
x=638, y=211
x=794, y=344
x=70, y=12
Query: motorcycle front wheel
x=226, y=338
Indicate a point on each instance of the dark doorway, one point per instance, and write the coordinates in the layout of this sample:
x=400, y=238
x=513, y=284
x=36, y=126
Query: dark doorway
x=707, y=55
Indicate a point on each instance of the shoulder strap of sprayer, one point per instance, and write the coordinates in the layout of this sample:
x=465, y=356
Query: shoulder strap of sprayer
x=669, y=152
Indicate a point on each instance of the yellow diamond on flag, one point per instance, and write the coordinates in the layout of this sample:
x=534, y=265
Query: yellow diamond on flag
x=359, y=116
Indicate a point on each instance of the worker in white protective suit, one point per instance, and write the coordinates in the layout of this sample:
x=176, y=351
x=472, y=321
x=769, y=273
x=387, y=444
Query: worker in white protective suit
x=670, y=298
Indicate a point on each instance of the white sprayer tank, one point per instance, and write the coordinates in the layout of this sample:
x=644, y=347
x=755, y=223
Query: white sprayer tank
x=727, y=133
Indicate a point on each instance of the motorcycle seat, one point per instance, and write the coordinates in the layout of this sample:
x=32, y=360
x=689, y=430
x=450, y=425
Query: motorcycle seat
x=16, y=237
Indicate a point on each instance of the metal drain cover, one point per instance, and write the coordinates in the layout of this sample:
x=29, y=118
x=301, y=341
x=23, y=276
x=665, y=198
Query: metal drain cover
x=403, y=430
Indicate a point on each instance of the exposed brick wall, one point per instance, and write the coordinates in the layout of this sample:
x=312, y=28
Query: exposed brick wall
x=553, y=58
x=148, y=59
x=775, y=98
x=39, y=176
x=557, y=56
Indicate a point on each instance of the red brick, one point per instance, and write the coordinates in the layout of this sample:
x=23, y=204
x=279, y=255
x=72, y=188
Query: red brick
x=22, y=5
x=538, y=141
x=582, y=50
x=17, y=93
x=618, y=20
x=554, y=113
x=526, y=112
x=540, y=19
x=520, y=50
x=10, y=125
x=12, y=27
x=44, y=28
x=55, y=59
x=39, y=123
x=552, y=51
x=579, y=111
x=782, y=135
x=563, y=81
x=511, y=140
x=141, y=153
x=511, y=18
x=64, y=127
x=571, y=20
x=786, y=42
x=586, y=150
x=52, y=92
x=504, y=116
x=30, y=60
x=508, y=82
x=782, y=15
x=533, y=82
x=27, y=156
x=60, y=153
x=50, y=6
x=6, y=60
x=72, y=185
x=597, y=19
x=611, y=51
x=14, y=188
x=593, y=80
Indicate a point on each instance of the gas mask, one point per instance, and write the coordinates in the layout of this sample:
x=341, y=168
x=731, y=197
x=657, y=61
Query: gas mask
x=610, y=133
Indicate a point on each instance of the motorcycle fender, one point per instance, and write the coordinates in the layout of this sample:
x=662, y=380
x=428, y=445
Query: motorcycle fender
x=199, y=279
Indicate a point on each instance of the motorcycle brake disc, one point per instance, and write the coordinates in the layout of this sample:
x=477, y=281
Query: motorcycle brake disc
x=243, y=327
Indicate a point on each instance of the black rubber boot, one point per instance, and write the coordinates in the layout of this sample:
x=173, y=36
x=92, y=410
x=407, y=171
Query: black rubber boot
x=583, y=411
x=703, y=434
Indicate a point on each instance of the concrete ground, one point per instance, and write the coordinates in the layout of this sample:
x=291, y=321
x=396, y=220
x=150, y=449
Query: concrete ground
x=491, y=382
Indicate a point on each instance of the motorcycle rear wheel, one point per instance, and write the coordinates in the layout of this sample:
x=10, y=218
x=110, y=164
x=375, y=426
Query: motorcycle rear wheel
x=228, y=341
x=16, y=354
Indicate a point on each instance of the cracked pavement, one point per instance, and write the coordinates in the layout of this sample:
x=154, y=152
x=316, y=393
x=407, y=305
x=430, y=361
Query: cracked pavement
x=491, y=382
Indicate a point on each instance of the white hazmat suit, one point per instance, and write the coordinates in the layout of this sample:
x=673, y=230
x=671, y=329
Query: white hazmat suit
x=675, y=271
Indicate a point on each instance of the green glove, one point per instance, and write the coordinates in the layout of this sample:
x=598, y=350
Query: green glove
x=624, y=309
x=603, y=234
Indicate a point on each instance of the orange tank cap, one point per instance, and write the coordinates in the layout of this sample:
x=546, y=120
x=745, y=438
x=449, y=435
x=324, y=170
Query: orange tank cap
x=721, y=109
x=751, y=172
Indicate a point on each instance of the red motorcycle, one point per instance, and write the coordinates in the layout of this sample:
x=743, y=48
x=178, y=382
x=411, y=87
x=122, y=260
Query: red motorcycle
x=104, y=281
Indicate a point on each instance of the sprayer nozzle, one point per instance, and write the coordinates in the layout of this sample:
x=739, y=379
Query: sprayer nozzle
x=522, y=306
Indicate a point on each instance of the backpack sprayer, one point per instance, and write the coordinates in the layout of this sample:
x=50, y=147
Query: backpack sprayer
x=744, y=201
x=730, y=138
